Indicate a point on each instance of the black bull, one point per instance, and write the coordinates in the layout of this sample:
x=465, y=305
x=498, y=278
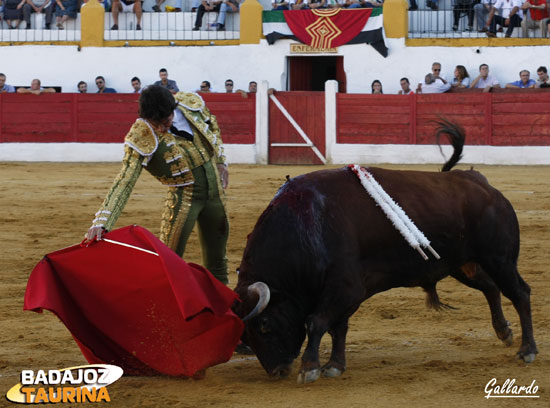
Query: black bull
x=323, y=246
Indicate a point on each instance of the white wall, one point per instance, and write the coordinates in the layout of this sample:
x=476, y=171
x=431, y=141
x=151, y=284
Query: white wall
x=65, y=66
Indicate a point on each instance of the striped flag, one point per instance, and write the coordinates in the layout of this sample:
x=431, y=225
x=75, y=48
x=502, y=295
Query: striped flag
x=327, y=28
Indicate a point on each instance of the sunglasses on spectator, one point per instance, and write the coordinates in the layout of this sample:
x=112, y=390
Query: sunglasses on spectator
x=437, y=69
x=98, y=82
x=228, y=84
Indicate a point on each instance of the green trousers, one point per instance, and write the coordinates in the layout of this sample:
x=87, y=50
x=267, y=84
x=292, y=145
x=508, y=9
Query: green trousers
x=203, y=203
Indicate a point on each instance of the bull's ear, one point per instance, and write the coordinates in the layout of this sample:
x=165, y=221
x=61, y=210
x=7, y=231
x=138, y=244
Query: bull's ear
x=265, y=326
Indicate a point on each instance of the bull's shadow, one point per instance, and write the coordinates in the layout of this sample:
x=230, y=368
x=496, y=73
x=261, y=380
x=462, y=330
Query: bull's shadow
x=324, y=245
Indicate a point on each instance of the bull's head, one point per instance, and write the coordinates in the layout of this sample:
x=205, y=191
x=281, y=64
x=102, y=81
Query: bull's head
x=274, y=329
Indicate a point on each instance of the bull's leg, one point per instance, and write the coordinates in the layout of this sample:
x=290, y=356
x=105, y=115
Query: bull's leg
x=483, y=282
x=337, y=363
x=518, y=291
x=310, y=370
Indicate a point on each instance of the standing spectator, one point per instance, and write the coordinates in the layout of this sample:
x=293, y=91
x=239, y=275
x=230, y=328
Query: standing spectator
x=127, y=6
x=35, y=89
x=13, y=10
x=376, y=87
x=227, y=6
x=436, y=72
x=5, y=88
x=101, y=88
x=481, y=11
x=511, y=17
x=205, y=87
x=65, y=9
x=167, y=83
x=484, y=80
x=405, y=87
x=542, y=82
x=535, y=13
x=206, y=5
x=38, y=6
x=466, y=7
x=431, y=85
x=524, y=81
x=462, y=78
x=82, y=87
x=136, y=84
x=229, y=86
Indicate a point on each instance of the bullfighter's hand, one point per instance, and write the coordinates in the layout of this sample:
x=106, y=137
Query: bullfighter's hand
x=94, y=233
x=224, y=175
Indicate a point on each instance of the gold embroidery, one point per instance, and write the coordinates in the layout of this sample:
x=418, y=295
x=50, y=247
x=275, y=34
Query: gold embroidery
x=190, y=101
x=141, y=138
x=178, y=204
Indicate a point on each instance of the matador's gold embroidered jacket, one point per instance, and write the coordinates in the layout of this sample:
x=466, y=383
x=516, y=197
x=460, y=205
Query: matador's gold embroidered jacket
x=167, y=157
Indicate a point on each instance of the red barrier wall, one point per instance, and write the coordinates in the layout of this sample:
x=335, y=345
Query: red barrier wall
x=93, y=118
x=502, y=118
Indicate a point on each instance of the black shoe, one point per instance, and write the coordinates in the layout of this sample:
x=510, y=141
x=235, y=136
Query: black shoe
x=490, y=34
x=220, y=27
x=434, y=7
x=156, y=8
x=470, y=28
x=114, y=27
x=28, y=27
x=455, y=27
x=138, y=27
x=47, y=26
x=413, y=8
x=196, y=28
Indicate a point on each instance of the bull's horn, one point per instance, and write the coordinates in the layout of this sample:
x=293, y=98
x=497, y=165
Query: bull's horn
x=262, y=290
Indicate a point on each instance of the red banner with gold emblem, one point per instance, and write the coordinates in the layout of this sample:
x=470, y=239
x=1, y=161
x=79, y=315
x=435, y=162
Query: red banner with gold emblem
x=326, y=28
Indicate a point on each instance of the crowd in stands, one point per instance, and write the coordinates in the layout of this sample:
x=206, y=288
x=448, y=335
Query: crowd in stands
x=320, y=4
x=82, y=87
x=434, y=82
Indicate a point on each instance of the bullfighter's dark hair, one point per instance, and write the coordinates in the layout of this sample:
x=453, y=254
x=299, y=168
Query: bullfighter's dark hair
x=156, y=103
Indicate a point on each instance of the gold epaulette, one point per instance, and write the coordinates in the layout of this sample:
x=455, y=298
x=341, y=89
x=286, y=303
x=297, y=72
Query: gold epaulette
x=190, y=100
x=142, y=138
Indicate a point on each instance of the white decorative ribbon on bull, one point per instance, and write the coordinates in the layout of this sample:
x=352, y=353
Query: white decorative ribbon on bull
x=394, y=212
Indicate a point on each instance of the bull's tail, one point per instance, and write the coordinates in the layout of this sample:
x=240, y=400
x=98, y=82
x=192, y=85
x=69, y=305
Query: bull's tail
x=456, y=136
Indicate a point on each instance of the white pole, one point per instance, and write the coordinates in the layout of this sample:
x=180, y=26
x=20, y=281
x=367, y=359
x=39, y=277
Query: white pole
x=331, y=88
x=262, y=123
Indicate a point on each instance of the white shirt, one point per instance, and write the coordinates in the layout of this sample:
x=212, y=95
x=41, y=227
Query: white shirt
x=507, y=5
x=482, y=83
x=435, y=87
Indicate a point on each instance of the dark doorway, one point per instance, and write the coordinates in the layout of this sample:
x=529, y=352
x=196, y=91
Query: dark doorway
x=311, y=73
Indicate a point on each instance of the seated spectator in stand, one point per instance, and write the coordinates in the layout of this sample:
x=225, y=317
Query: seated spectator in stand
x=524, y=81
x=82, y=87
x=462, y=78
x=206, y=5
x=405, y=87
x=484, y=80
x=316, y=4
x=65, y=9
x=431, y=85
x=412, y=5
x=156, y=7
x=35, y=88
x=13, y=10
x=542, y=82
x=466, y=7
x=535, y=13
x=481, y=11
x=279, y=5
x=511, y=17
x=127, y=6
x=101, y=88
x=229, y=86
x=227, y=6
x=5, y=88
x=298, y=4
x=436, y=72
x=136, y=84
x=38, y=6
x=167, y=83
x=332, y=4
x=205, y=87
x=432, y=4
x=376, y=87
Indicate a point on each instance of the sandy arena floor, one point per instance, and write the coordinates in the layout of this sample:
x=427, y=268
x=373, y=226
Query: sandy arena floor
x=399, y=353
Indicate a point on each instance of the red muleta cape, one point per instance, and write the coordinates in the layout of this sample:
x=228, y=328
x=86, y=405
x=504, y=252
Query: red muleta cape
x=147, y=312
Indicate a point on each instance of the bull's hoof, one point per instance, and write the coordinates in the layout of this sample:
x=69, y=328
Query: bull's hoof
x=331, y=372
x=528, y=358
x=509, y=340
x=310, y=376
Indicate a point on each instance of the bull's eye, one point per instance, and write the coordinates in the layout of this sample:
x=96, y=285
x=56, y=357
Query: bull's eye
x=265, y=326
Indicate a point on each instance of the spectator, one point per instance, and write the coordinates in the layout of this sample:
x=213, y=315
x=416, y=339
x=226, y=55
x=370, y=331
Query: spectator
x=82, y=87
x=5, y=88
x=227, y=6
x=542, y=82
x=13, y=10
x=412, y=5
x=334, y=4
x=35, y=88
x=463, y=7
x=279, y=5
x=206, y=5
x=405, y=87
x=511, y=17
x=376, y=87
x=524, y=81
x=316, y=4
x=436, y=72
x=252, y=87
x=127, y=6
x=229, y=86
x=462, y=78
x=167, y=83
x=535, y=13
x=101, y=88
x=136, y=84
x=432, y=85
x=38, y=6
x=432, y=4
x=205, y=87
x=484, y=80
x=65, y=9
x=298, y=4
x=481, y=11
x=156, y=7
